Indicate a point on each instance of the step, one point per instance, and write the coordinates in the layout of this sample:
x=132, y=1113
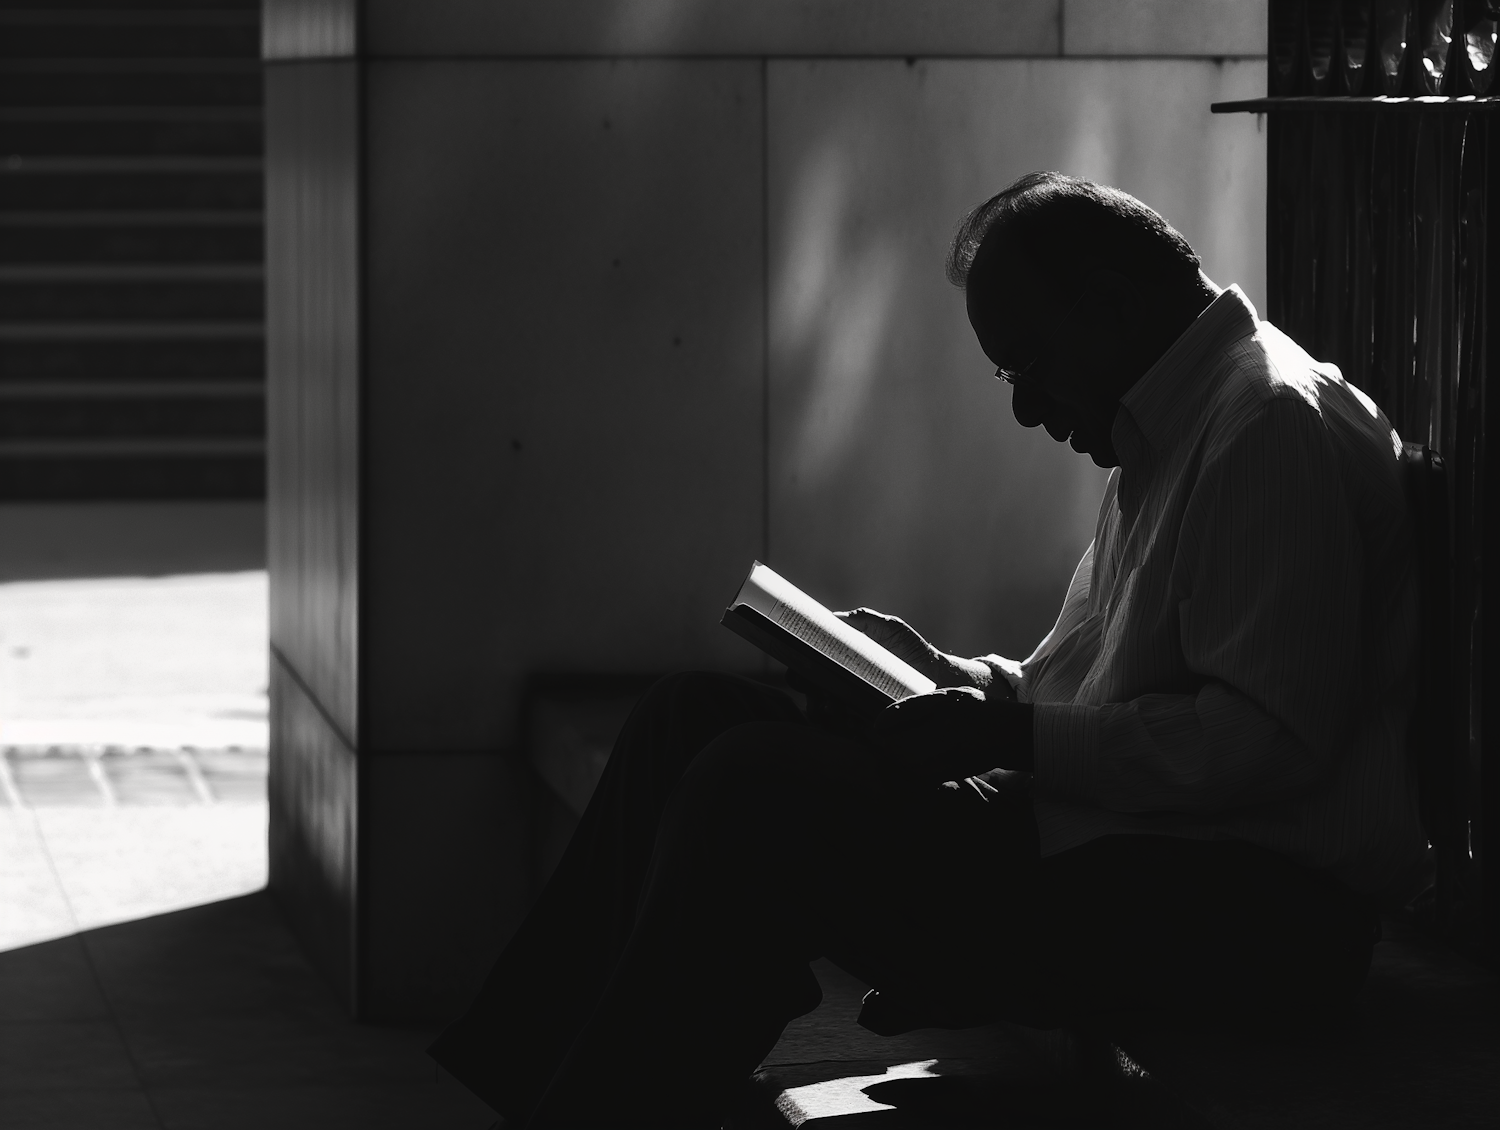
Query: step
x=50, y=238
x=130, y=5
x=171, y=447
x=146, y=329
x=37, y=302
x=124, y=388
x=65, y=415
x=117, y=273
x=94, y=355
x=140, y=471
x=28, y=186
x=55, y=32
x=131, y=130
x=130, y=82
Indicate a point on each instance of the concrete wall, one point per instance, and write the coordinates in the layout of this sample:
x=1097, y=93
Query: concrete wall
x=643, y=290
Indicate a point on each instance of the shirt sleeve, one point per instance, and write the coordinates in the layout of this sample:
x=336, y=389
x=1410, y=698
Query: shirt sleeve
x=1022, y=675
x=1268, y=576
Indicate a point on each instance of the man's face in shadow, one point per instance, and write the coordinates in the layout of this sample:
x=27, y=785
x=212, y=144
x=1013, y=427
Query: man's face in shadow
x=1067, y=355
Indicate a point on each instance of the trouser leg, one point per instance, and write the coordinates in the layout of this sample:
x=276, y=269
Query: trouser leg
x=553, y=971
x=777, y=848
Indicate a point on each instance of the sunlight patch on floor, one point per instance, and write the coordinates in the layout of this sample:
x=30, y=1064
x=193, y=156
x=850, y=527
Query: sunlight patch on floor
x=63, y=870
x=133, y=735
x=162, y=662
x=836, y=1098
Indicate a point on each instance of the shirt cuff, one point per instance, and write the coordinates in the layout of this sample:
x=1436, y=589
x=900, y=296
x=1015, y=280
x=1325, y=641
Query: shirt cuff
x=1065, y=741
x=1007, y=671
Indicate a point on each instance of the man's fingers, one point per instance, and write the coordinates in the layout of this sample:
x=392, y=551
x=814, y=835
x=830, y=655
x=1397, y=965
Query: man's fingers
x=985, y=790
x=868, y=621
x=918, y=710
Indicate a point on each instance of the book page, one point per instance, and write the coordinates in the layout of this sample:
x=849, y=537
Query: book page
x=787, y=606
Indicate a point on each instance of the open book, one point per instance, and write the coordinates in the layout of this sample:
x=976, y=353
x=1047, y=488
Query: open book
x=787, y=624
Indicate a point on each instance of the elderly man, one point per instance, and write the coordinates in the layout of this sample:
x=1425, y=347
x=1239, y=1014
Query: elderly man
x=1192, y=795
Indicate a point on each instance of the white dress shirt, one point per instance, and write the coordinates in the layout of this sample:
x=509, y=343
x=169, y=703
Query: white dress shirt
x=1236, y=654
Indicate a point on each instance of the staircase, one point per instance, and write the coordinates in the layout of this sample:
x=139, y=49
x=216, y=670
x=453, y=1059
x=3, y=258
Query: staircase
x=131, y=291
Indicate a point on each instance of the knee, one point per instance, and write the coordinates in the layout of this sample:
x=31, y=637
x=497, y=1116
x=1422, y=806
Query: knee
x=758, y=760
x=689, y=685
x=746, y=752
x=688, y=690
x=710, y=702
x=741, y=785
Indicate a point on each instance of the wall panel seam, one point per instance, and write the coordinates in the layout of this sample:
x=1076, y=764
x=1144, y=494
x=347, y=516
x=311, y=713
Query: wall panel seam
x=307, y=692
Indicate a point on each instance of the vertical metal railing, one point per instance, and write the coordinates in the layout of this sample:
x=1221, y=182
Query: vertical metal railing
x=1383, y=168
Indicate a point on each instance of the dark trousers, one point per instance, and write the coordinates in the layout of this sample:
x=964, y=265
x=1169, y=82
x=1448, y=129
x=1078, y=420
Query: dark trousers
x=730, y=842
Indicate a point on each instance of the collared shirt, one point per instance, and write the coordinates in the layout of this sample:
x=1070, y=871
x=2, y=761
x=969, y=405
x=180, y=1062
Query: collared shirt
x=1236, y=654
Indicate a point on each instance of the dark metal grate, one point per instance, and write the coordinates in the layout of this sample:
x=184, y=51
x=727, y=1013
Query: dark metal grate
x=1382, y=187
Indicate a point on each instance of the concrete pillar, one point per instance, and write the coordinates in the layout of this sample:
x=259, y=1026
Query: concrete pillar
x=574, y=310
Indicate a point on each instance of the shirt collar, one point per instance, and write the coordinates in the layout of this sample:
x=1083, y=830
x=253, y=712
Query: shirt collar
x=1158, y=407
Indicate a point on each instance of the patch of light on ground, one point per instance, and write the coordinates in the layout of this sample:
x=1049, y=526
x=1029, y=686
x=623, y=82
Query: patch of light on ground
x=133, y=732
x=135, y=661
x=836, y=1098
x=68, y=869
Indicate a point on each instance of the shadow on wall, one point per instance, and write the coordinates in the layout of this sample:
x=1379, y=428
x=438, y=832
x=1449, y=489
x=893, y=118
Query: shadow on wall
x=898, y=477
x=565, y=370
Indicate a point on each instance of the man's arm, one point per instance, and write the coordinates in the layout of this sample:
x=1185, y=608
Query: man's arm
x=1269, y=580
x=975, y=742
x=896, y=635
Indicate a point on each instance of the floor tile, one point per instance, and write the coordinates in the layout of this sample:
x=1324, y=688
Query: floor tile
x=120, y=864
x=275, y=1048
x=113, y=1109
x=433, y=1107
x=225, y=957
x=50, y=981
x=63, y=1055
x=33, y=907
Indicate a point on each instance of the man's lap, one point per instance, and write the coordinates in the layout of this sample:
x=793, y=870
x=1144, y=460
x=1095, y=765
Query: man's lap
x=939, y=892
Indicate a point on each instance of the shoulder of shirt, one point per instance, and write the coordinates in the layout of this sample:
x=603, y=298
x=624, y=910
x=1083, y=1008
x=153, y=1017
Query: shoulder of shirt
x=1267, y=367
x=1266, y=371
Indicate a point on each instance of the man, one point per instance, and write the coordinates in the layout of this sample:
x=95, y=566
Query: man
x=1193, y=794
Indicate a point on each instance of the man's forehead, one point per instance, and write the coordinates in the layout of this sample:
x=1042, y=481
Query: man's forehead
x=1004, y=276
x=1004, y=306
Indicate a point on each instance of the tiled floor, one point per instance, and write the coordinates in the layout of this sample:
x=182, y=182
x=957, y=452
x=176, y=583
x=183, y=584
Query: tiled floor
x=146, y=979
x=203, y=1018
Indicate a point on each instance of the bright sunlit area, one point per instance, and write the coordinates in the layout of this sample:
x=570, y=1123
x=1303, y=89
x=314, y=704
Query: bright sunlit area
x=133, y=713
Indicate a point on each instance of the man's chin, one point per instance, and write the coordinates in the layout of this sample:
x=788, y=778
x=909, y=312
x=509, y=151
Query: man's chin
x=1102, y=454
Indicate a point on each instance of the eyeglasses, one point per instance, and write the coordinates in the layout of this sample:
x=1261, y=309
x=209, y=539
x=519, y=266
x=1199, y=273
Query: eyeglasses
x=1012, y=376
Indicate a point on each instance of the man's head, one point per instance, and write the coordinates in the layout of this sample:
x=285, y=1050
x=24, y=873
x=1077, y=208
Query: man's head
x=1074, y=289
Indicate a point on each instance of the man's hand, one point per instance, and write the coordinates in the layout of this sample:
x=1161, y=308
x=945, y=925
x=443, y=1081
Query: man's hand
x=896, y=635
x=954, y=733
